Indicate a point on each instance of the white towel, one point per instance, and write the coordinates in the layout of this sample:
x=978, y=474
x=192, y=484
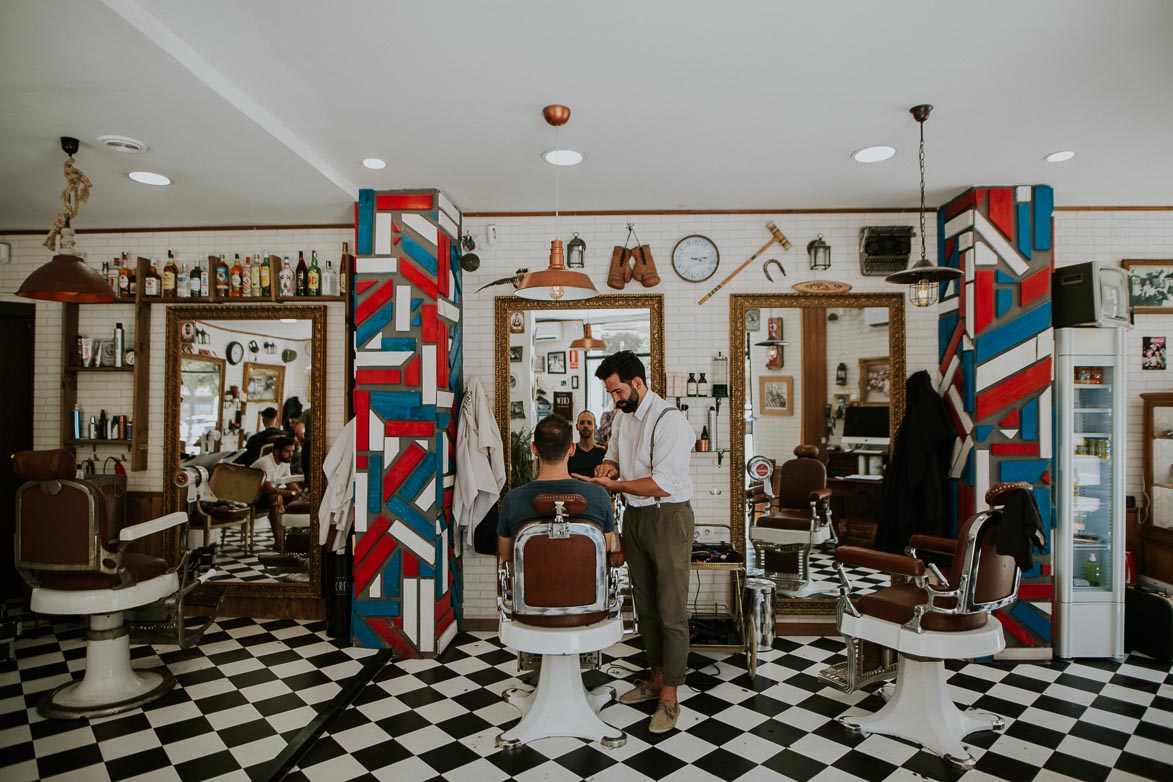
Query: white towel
x=480, y=460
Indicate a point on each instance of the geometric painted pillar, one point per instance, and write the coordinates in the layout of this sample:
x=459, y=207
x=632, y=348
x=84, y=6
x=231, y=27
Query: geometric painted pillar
x=407, y=382
x=996, y=350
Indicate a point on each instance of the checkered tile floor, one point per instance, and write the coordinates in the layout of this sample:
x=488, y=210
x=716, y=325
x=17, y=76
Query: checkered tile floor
x=252, y=686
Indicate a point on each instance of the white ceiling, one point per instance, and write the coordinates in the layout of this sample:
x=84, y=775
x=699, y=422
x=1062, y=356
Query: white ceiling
x=261, y=111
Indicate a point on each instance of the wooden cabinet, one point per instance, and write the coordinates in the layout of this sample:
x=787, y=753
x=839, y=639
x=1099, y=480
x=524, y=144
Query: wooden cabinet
x=1156, y=514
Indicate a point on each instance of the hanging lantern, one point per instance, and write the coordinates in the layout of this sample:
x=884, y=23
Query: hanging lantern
x=820, y=254
x=576, y=253
x=841, y=374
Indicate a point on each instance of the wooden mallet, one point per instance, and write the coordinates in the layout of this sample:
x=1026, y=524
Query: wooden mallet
x=775, y=236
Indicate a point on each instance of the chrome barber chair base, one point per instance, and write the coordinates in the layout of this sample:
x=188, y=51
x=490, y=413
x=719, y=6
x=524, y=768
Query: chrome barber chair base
x=560, y=706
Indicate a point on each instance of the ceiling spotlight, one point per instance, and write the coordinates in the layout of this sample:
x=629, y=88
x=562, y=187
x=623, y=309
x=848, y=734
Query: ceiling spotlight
x=1059, y=157
x=149, y=178
x=375, y=163
x=562, y=157
x=873, y=154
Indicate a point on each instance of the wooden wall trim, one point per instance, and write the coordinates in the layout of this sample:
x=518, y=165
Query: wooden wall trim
x=814, y=376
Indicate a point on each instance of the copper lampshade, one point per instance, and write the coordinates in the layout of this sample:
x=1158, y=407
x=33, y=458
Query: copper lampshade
x=587, y=341
x=556, y=283
x=67, y=278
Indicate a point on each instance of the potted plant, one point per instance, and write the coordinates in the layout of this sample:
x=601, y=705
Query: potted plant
x=521, y=459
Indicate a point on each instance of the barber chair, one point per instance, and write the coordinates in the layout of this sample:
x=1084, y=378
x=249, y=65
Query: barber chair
x=558, y=598
x=797, y=519
x=70, y=550
x=236, y=490
x=924, y=622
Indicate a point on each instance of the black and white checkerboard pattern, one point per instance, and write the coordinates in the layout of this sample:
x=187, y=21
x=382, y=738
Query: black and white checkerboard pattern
x=247, y=692
x=233, y=560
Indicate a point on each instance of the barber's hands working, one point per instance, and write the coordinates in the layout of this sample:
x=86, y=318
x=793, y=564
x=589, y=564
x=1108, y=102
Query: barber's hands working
x=605, y=476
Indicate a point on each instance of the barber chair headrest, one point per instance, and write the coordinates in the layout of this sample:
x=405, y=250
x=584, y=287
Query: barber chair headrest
x=997, y=494
x=44, y=465
x=806, y=451
x=575, y=504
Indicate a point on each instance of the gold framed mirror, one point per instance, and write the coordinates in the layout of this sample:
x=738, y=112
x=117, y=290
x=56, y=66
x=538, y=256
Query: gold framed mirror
x=535, y=362
x=201, y=394
x=285, y=562
x=831, y=339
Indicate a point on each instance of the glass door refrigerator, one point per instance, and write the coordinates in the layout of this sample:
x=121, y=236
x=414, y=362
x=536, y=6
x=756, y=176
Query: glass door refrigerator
x=1088, y=545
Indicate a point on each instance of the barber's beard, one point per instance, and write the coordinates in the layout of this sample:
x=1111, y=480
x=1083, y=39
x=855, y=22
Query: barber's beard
x=631, y=403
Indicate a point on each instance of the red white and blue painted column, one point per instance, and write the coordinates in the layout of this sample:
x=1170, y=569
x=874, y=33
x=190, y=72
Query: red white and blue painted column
x=996, y=352
x=408, y=378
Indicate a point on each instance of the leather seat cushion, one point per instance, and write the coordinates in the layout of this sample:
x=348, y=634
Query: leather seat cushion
x=224, y=512
x=783, y=519
x=300, y=505
x=572, y=620
x=896, y=604
x=142, y=567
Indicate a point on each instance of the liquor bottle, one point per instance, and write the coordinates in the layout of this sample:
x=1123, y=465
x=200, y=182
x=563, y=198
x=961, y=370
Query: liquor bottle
x=196, y=281
x=314, y=276
x=266, y=279
x=301, y=279
x=343, y=268
x=103, y=426
x=132, y=278
x=115, y=278
x=206, y=276
x=254, y=274
x=246, y=278
x=285, y=278
x=153, y=285
x=234, y=278
x=112, y=274
x=329, y=281
x=222, y=286
x=170, y=273
x=183, y=282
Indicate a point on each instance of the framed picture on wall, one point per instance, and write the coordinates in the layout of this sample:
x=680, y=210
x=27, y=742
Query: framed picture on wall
x=556, y=362
x=574, y=382
x=776, y=394
x=515, y=354
x=517, y=409
x=1151, y=282
x=264, y=383
x=517, y=323
x=875, y=381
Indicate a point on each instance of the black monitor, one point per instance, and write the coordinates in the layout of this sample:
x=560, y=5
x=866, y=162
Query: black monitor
x=866, y=426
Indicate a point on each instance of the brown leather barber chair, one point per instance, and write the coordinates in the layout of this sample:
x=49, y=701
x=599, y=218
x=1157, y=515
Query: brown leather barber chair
x=71, y=551
x=236, y=489
x=558, y=598
x=929, y=619
x=797, y=520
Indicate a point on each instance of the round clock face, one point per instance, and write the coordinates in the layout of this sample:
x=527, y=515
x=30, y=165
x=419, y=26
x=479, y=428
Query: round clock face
x=235, y=352
x=695, y=258
x=128, y=359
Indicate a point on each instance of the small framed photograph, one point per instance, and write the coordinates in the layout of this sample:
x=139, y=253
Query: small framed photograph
x=517, y=409
x=574, y=382
x=556, y=362
x=1152, y=353
x=264, y=382
x=515, y=354
x=1151, y=282
x=517, y=323
x=875, y=381
x=839, y=404
x=776, y=394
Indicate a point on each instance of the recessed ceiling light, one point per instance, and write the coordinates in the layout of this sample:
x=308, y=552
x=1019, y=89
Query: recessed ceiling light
x=562, y=157
x=123, y=144
x=149, y=178
x=873, y=154
x=1059, y=157
x=375, y=163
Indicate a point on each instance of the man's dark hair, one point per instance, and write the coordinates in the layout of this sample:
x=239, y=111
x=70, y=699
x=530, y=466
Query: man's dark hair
x=625, y=364
x=282, y=442
x=269, y=414
x=552, y=437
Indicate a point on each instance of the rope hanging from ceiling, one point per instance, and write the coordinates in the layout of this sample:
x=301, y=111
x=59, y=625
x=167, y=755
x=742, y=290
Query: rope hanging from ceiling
x=77, y=191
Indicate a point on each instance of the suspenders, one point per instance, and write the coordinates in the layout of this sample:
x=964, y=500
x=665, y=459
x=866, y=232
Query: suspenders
x=652, y=443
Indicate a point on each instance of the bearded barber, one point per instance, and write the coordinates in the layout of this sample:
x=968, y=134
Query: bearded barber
x=648, y=460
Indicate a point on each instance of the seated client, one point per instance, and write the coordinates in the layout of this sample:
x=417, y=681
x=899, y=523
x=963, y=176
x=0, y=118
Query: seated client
x=277, y=487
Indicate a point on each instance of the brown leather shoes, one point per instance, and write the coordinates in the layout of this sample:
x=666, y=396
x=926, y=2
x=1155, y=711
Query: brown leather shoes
x=664, y=719
x=645, y=267
x=642, y=691
x=619, y=274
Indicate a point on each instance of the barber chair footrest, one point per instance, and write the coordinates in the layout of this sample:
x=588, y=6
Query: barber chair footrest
x=560, y=706
x=920, y=711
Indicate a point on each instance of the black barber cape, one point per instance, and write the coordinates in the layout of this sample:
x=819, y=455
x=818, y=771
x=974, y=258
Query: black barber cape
x=1021, y=528
x=913, y=497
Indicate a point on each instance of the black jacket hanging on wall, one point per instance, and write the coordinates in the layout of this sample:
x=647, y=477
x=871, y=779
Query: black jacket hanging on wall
x=913, y=497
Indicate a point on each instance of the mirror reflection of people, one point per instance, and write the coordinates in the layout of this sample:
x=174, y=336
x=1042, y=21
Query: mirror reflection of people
x=648, y=460
x=553, y=445
x=277, y=489
x=588, y=454
x=269, y=431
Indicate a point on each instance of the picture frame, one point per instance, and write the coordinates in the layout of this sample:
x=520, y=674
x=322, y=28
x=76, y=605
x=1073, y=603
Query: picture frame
x=839, y=403
x=517, y=409
x=875, y=381
x=776, y=395
x=1152, y=351
x=264, y=383
x=556, y=362
x=1151, y=285
x=517, y=323
x=574, y=382
x=516, y=354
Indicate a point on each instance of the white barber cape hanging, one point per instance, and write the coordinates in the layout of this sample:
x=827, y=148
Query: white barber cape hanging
x=480, y=460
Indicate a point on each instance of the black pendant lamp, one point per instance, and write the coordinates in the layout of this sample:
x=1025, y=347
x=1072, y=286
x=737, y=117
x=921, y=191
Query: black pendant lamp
x=924, y=277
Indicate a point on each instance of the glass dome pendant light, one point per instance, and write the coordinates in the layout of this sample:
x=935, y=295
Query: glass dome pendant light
x=924, y=277
x=556, y=282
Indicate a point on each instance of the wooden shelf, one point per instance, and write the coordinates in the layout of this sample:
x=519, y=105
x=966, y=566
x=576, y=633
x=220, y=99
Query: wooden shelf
x=115, y=443
x=99, y=369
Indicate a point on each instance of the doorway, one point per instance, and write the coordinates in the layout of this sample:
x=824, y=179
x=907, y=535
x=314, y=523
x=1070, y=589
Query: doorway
x=17, y=323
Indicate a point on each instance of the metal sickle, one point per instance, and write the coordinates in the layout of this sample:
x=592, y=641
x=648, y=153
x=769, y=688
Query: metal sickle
x=766, y=268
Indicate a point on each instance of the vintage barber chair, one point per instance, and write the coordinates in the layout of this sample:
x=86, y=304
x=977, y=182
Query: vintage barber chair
x=236, y=490
x=796, y=520
x=925, y=622
x=558, y=598
x=70, y=550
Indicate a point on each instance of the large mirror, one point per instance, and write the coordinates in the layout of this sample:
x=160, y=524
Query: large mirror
x=228, y=369
x=540, y=371
x=823, y=370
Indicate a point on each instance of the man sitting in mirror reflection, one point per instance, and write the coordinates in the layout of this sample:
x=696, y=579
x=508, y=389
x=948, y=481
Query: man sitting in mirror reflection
x=269, y=432
x=276, y=488
x=588, y=454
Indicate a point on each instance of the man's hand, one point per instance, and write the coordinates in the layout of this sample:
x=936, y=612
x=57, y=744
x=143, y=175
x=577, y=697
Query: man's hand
x=607, y=470
x=607, y=482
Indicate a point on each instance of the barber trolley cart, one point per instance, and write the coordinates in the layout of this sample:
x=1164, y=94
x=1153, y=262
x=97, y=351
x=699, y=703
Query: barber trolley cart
x=747, y=623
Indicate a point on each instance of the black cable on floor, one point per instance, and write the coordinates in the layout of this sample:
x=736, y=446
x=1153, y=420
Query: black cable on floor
x=304, y=740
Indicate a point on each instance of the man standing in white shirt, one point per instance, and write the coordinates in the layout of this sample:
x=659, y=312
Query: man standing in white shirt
x=648, y=460
x=275, y=466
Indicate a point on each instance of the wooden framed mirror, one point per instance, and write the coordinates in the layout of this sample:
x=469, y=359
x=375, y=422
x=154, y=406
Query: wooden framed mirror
x=532, y=345
x=289, y=361
x=830, y=340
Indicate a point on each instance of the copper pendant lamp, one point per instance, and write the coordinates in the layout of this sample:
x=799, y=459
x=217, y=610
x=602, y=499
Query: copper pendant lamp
x=556, y=282
x=67, y=278
x=924, y=277
x=587, y=341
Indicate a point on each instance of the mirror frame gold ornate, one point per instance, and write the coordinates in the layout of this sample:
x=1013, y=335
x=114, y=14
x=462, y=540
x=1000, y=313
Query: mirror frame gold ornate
x=505, y=306
x=738, y=304
x=177, y=314
x=216, y=361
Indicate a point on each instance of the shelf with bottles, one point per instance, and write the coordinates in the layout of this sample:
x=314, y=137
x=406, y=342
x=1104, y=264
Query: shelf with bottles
x=100, y=369
x=123, y=444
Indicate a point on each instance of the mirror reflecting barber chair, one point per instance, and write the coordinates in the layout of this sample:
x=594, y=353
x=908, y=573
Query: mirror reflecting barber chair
x=235, y=491
x=797, y=520
x=71, y=551
x=558, y=598
x=924, y=622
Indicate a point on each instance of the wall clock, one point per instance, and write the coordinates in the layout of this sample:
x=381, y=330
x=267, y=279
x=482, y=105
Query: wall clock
x=695, y=258
x=235, y=353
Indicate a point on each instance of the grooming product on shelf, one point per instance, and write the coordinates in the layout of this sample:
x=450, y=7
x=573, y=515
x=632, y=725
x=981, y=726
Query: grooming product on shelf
x=702, y=386
x=87, y=352
x=119, y=339
x=690, y=388
x=343, y=268
x=92, y=432
x=103, y=425
x=77, y=422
